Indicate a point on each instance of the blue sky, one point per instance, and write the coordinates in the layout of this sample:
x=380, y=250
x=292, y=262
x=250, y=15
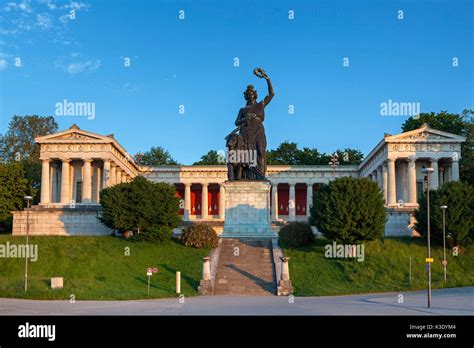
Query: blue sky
x=190, y=62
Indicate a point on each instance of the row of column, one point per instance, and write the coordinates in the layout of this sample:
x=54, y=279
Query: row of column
x=385, y=176
x=111, y=175
x=292, y=201
x=274, y=200
x=204, y=201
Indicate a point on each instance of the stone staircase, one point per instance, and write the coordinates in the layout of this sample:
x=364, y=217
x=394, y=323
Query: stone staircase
x=251, y=272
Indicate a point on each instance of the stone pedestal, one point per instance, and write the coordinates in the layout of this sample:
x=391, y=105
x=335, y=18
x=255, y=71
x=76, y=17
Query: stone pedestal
x=205, y=285
x=247, y=210
x=285, y=287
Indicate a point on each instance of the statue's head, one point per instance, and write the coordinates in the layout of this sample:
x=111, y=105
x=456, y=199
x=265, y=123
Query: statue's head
x=250, y=93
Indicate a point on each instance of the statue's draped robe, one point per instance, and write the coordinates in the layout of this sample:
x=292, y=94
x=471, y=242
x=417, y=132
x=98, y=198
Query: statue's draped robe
x=250, y=119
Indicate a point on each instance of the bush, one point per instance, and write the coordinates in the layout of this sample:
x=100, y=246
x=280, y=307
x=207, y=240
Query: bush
x=459, y=197
x=141, y=205
x=13, y=188
x=296, y=234
x=200, y=236
x=154, y=234
x=349, y=210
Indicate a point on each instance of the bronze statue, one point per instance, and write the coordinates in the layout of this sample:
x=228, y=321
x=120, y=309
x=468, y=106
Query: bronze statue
x=247, y=144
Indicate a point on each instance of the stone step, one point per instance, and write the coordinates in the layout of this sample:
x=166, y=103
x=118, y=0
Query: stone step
x=252, y=272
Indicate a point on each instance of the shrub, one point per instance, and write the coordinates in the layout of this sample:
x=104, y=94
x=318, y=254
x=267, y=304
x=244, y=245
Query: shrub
x=154, y=234
x=296, y=234
x=13, y=188
x=349, y=210
x=199, y=236
x=459, y=197
x=141, y=205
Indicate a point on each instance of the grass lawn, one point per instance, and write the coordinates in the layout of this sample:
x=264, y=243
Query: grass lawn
x=385, y=268
x=96, y=268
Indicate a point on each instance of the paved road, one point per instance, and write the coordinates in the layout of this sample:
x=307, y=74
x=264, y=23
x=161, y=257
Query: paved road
x=455, y=301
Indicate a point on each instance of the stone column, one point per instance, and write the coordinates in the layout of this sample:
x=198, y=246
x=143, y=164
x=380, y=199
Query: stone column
x=204, y=201
x=412, y=195
x=385, y=182
x=113, y=174
x=106, y=174
x=65, y=177
x=309, y=198
x=435, y=175
x=392, y=192
x=292, y=203
x=441, y=176
x=54, y=183
x=118, y=175
x=379, y=177
x=87, y=182
x=455, y=170
x=274, y=202
x=98, y=180
x=187, y=200
x=221, y=201
x=403, y=171
x=45, y=187
x=447, y=172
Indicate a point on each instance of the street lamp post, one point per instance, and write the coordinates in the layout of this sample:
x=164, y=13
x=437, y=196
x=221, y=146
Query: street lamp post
x=28, y=199
x=428, y=172
x=444, y=207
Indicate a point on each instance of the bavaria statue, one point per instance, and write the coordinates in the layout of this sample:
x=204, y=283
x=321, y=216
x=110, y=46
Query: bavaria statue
x=247, y=144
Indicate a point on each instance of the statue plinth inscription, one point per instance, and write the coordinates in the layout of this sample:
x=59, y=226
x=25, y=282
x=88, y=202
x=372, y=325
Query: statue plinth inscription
x=247, y=210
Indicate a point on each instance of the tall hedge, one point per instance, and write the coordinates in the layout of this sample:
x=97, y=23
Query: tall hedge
x=13, y=189
x=459, y=197
x=140, y=205
x=349, y=210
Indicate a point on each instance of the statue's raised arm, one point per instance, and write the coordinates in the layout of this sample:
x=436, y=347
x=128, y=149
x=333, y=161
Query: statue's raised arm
x=259, y=72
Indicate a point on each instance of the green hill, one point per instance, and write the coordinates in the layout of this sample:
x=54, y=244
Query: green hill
x=385, y=268
x=97, y=268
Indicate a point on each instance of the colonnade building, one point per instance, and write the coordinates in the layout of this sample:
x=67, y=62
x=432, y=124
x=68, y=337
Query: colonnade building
x=77, y=165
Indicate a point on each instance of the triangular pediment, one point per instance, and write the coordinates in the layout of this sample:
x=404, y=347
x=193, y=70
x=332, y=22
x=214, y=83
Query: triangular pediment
x=73, y=134
x=425, y=133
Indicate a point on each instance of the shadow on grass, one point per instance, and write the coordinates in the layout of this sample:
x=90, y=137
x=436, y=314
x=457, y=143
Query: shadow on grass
x=193, y=283
x=152, y=286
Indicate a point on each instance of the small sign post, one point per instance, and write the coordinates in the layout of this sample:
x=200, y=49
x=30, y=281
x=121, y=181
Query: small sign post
x=149, y=273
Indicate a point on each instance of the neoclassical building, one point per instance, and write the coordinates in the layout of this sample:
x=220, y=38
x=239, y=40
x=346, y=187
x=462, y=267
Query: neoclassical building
x=77, y=165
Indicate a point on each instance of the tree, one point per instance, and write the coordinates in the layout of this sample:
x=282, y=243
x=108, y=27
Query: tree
x=289, y=154
x=211, y=158
x=308, y=156
x=459, y=197
x=286, y=153
x=156, y=156
x=13, y=188
x=349, y=156
x=141, y=206
x=349, y=209
x=460, y=124
x=18, y=145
